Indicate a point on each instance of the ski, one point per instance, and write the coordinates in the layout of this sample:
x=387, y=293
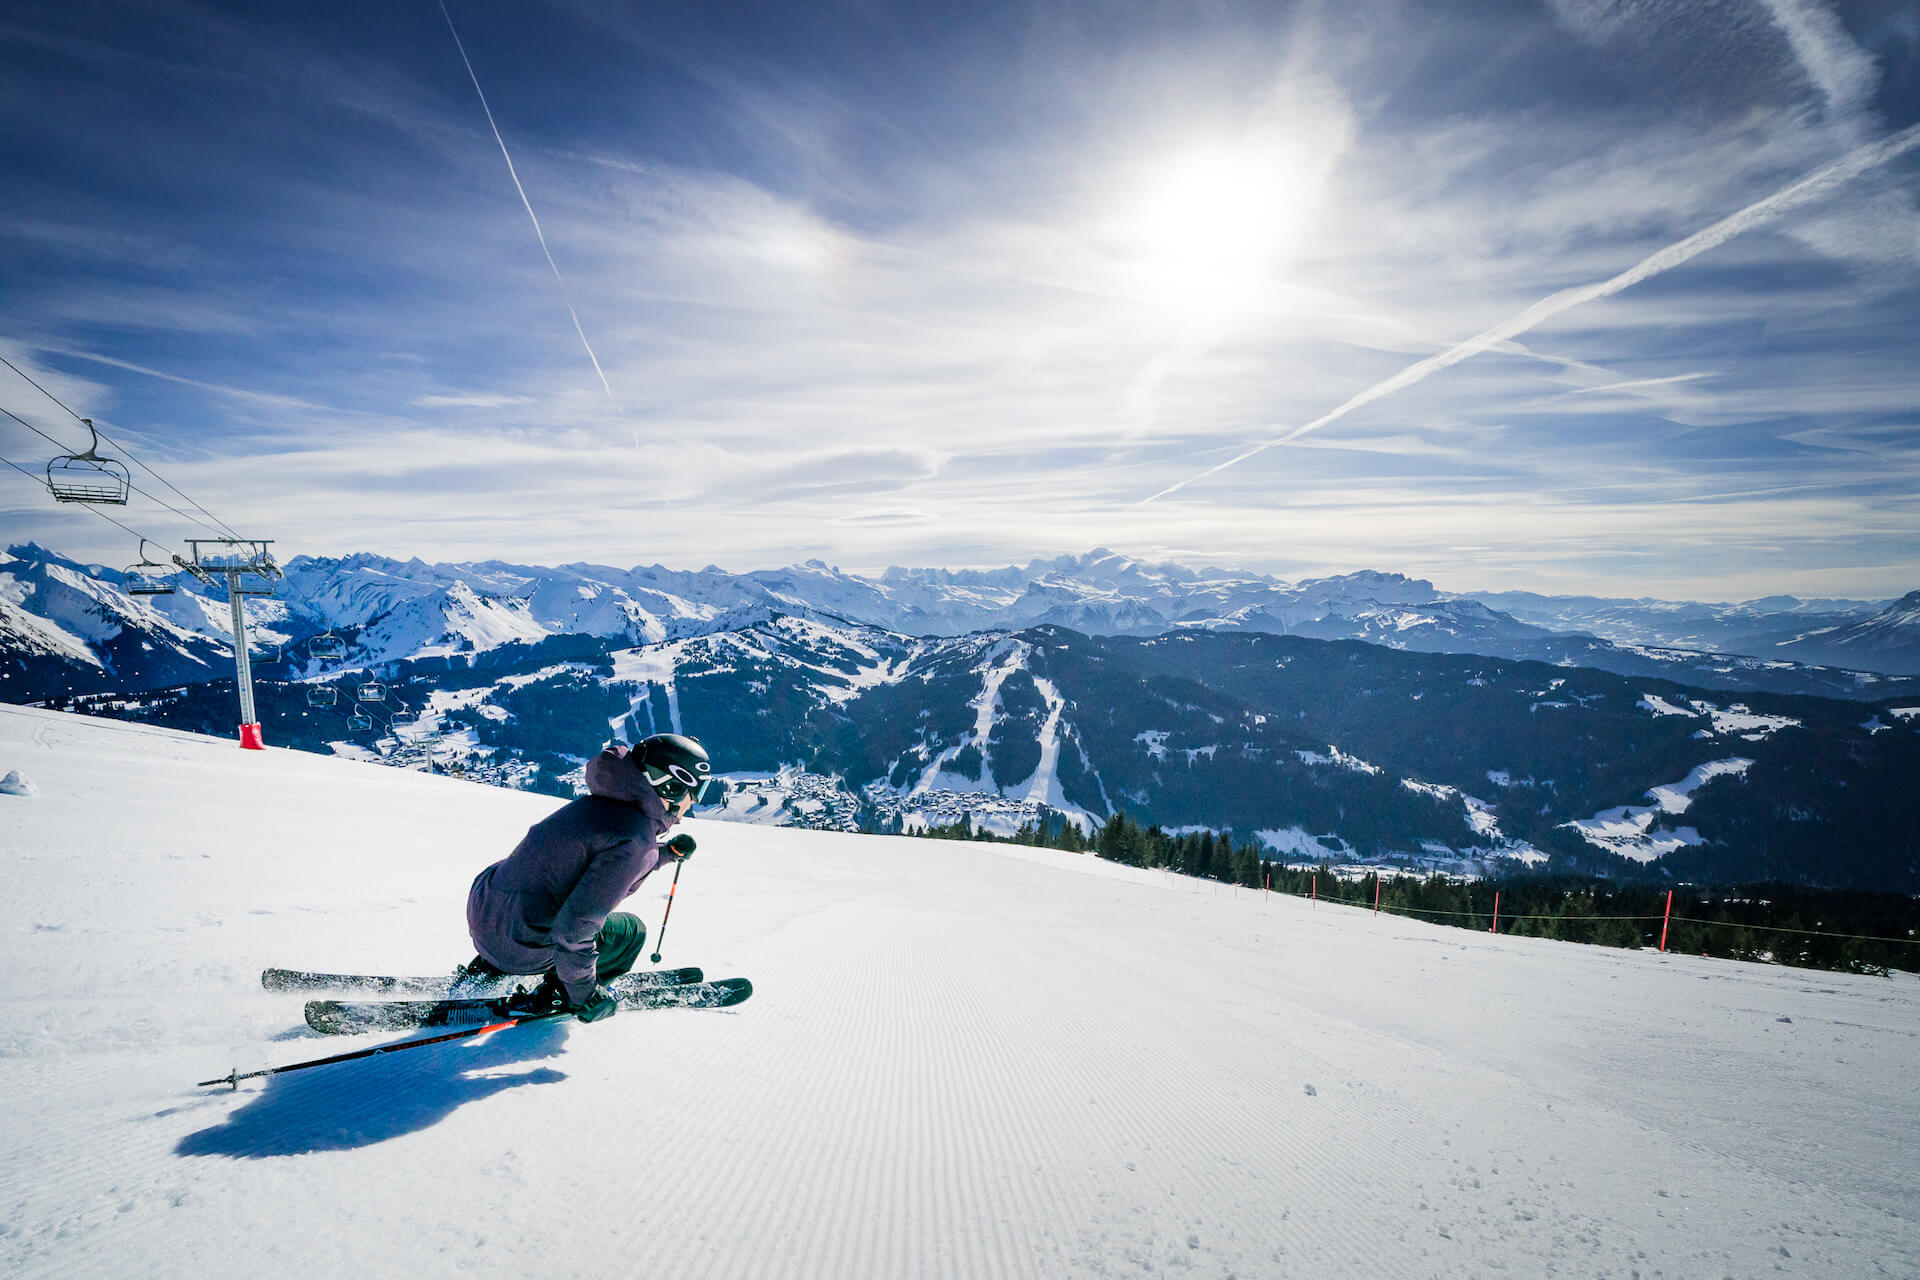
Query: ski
x=349, y=1017
x=441, y=987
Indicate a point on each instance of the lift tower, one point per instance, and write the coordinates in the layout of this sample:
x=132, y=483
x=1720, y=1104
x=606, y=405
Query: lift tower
x=237, y=559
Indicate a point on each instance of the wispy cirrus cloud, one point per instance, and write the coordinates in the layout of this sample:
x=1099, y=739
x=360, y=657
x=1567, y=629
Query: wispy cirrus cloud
x=471, y=400
x=939, y=295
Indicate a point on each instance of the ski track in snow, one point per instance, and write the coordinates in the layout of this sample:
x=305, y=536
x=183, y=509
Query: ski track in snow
x=1011, y=656
x=1044, y=786
x=959, y=1061
x=657, y=666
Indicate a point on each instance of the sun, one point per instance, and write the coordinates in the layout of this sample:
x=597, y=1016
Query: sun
x=1210, y=223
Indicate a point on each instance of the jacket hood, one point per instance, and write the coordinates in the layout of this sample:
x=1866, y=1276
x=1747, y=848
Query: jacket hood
x=611, y=776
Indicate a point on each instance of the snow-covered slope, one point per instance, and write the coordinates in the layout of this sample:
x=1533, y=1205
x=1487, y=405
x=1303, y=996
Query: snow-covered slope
x=1888, y=641
x=71, y=628
x=960, y=1061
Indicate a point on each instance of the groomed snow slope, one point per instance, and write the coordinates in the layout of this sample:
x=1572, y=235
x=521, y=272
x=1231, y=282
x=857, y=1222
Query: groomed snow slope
x=960, y=1061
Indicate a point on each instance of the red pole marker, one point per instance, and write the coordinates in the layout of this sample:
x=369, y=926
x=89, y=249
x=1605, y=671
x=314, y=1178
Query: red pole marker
x=1376, y=895
x=1314, y=884
x=1496, y=912
x=1666, y=920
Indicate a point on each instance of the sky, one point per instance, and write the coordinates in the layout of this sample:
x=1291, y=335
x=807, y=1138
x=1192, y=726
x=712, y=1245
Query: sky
x=1611, y=296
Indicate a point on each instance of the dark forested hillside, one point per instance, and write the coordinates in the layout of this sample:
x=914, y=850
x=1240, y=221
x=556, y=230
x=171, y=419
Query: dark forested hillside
x=1312, y=749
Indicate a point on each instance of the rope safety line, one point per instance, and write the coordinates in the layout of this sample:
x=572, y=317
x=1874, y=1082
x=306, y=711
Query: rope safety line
x=1712, y=924
x=1811, y=933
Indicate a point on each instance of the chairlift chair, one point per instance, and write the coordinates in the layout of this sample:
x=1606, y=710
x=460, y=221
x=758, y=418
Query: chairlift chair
x=148, y=578
x=327, y=646
x=372, y=691
x=359, y=723
x=322, y=695
x=88, y=477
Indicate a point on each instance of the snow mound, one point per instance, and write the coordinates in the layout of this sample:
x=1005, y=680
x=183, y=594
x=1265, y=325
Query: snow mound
x=1336, y=758
x=17, y=784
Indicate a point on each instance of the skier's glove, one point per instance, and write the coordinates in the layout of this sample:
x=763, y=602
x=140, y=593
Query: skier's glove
x=596, y=1006
x=681, y=846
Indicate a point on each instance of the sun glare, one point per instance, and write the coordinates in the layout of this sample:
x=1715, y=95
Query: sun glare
x=1211, y=224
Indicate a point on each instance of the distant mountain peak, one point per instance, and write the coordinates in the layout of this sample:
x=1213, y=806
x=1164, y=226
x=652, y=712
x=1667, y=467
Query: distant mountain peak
x=392, y=610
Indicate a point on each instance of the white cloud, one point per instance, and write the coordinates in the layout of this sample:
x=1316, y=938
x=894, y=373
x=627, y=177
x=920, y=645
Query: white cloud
x=472, y=400
x=863, y=345
x=1843, y=72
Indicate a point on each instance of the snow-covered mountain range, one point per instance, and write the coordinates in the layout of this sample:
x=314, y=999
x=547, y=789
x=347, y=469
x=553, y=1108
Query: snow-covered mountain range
x=1319, y=749
x=69, y=627
x=1415, y=748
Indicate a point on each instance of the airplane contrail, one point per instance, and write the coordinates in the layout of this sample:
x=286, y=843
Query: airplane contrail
x=541, y=235
x=1810, y=188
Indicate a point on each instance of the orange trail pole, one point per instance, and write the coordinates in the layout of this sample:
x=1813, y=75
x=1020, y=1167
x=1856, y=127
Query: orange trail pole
x=1496, y=912
x=1376, y=895
x=1665, y=921
x=1314, y=885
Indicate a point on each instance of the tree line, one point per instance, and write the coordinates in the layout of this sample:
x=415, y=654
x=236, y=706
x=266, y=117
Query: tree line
x=1852, y=931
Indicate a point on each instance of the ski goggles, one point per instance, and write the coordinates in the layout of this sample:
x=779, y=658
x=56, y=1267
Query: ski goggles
x=674, y=781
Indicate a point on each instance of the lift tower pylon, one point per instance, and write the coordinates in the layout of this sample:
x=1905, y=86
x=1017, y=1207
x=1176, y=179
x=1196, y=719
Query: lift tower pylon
x=237, y=559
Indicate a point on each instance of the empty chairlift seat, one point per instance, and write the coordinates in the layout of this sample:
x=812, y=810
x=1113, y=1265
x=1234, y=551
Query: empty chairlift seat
x=88, y=477
x=149, y=578
x=142, y=583
x=322, y=695
x=359, y=723
x=372, y=691
x=327, y=647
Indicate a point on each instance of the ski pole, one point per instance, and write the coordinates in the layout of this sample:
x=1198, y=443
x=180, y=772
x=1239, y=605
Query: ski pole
x=668, y=913
x=236, y=1076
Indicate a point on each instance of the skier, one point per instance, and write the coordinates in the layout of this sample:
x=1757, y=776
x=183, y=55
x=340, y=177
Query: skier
x=548, y=907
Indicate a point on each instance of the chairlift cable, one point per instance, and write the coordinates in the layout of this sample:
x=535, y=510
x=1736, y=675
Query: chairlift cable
x=225, y=529
x=56, y=441
x=218, y=526
x=41, y=481
x=37, y=387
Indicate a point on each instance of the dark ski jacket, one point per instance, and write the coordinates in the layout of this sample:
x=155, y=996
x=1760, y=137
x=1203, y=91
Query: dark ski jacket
x=540, y=906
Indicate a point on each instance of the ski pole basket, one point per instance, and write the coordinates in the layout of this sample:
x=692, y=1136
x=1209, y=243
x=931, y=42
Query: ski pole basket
x=88, y=477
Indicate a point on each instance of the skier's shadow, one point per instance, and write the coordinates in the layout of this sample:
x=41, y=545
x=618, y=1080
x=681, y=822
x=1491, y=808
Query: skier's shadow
x=357, y=1104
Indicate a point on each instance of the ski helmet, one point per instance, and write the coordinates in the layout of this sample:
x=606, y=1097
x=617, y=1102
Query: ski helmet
x=674, y=765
